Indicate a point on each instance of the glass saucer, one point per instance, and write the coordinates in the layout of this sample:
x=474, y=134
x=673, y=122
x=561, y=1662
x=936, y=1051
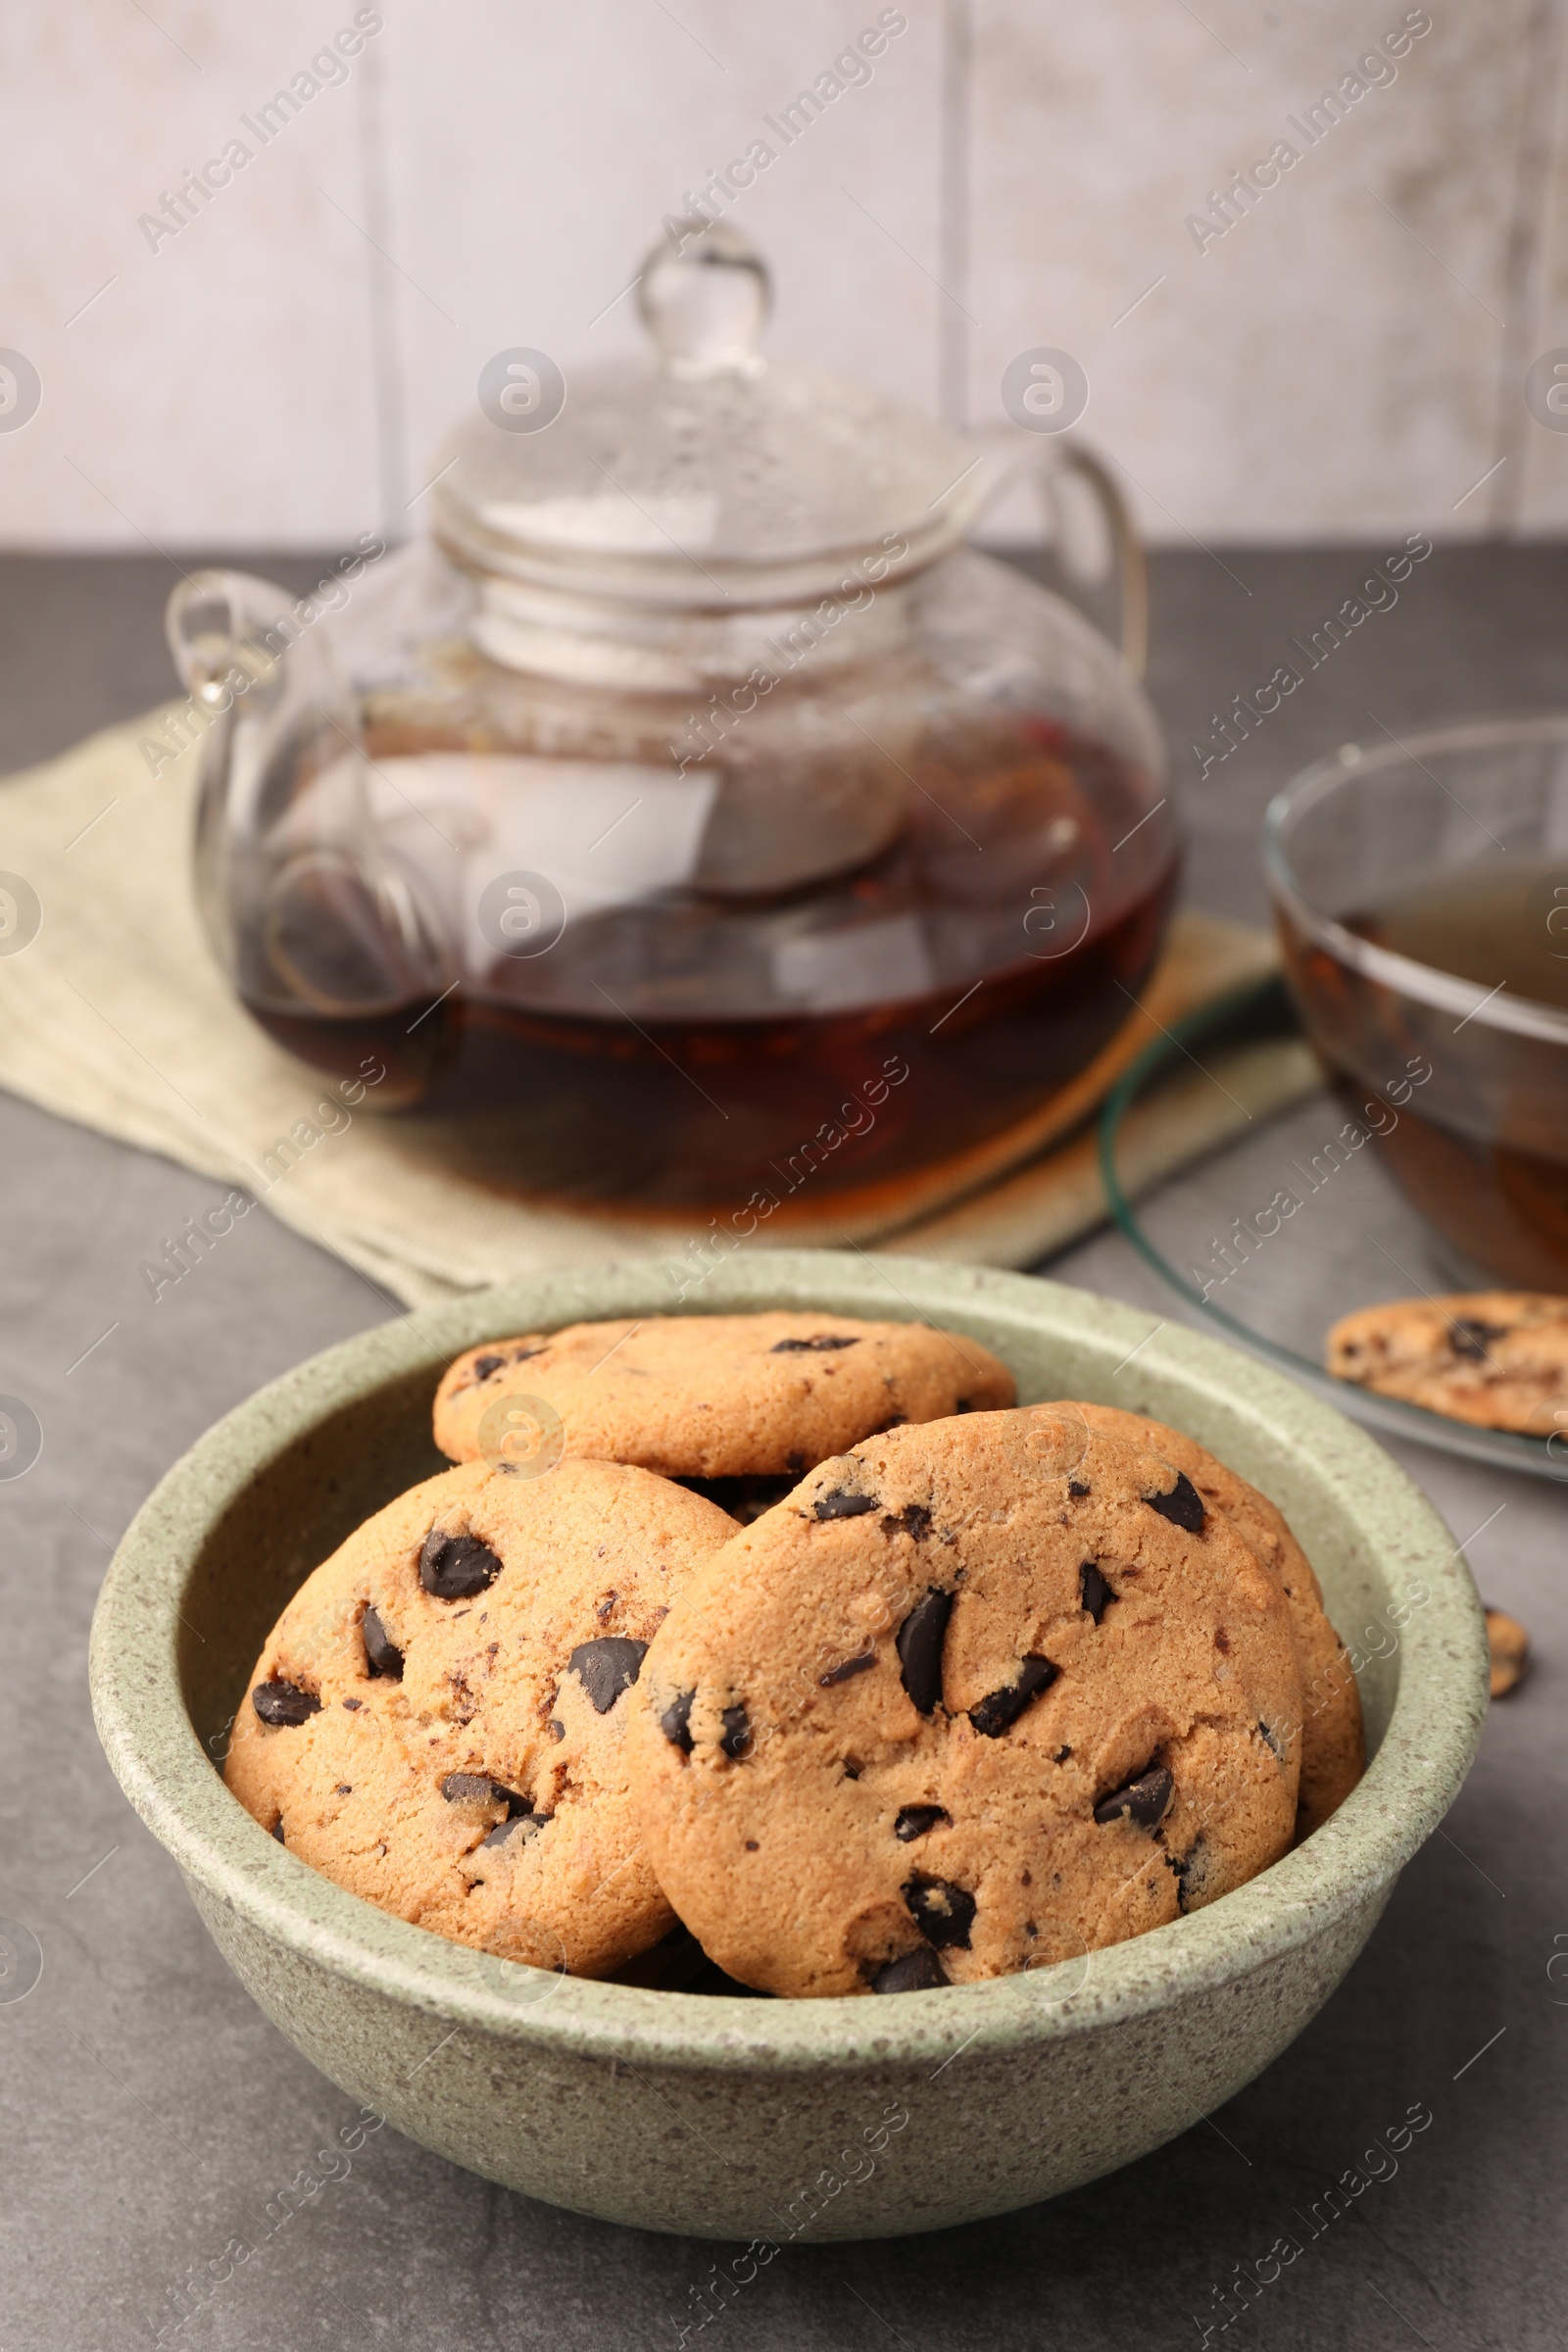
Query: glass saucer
x=1269, y=1277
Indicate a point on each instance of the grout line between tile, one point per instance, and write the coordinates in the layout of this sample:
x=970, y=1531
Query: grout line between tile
x=388, y=388
x=953, y=209
x=1543, y=126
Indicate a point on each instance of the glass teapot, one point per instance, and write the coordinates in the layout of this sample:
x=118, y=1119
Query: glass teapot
x=693, y=814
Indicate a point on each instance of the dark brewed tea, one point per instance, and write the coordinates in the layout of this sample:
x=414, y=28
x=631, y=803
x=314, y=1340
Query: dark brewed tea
x=1501, y=927
x=1482, y=1150
x=691, y=1049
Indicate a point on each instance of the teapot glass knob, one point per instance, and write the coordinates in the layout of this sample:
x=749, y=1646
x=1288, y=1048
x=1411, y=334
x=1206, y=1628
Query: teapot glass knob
x=705, y=295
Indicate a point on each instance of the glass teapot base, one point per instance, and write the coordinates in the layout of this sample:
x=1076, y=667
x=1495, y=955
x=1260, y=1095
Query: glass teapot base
x=735, y=1118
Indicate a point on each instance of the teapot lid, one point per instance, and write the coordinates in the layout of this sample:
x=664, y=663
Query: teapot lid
x=700, y=475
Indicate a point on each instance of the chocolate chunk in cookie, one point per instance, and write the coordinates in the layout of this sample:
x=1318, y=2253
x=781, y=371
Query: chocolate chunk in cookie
x=914, y=1820
x=676, y=1721
x=503, y=1829
x=281, y=1704
x=1096, y=1594
x=381, y=1654
x=605, y=1668
x=1143, y=1801
x=470, y=1788
x=943, y=1913
x=840, y=1504
x=735, y=1737
x=1472, y=1339
x=1183, y=1506
x=456, y=1567
x=919, y=1971
x=920, y=1648
x=850, y=1668
x=1000, y=1709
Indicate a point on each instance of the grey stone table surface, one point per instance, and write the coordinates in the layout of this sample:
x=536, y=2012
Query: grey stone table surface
x=150, y=2112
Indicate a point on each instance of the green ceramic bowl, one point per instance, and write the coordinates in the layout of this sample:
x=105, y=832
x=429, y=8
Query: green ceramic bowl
x=776, y=2120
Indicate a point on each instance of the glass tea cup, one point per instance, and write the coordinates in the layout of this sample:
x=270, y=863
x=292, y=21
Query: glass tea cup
x=1420, y=888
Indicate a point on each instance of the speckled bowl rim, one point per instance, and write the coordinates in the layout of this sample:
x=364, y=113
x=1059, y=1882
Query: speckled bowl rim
x=154, y=1749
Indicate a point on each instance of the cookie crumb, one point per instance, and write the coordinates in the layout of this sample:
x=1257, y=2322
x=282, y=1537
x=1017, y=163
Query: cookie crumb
x=1509, y=1645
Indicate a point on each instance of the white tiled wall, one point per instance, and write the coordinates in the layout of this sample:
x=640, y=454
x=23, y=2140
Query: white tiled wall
x=1347, y=360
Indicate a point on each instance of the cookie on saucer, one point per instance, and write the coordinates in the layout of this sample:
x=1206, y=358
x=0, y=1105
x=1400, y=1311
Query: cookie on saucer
x=1496, y=1358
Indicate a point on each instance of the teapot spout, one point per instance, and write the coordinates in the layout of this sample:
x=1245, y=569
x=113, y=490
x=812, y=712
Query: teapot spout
x=231, y=634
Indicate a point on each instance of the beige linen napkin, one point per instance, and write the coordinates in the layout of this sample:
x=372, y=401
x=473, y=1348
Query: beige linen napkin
x=116, y=1015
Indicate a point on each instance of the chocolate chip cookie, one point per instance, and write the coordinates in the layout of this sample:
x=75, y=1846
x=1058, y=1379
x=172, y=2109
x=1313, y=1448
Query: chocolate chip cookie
x=980, y=1695
x=438, y=1721
x=1333, y=1742
x=1496, y=1358
x=740, y=1405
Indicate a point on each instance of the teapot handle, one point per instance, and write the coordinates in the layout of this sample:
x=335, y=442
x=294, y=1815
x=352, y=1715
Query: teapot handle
x=1132, y=564
x=1010, y=456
